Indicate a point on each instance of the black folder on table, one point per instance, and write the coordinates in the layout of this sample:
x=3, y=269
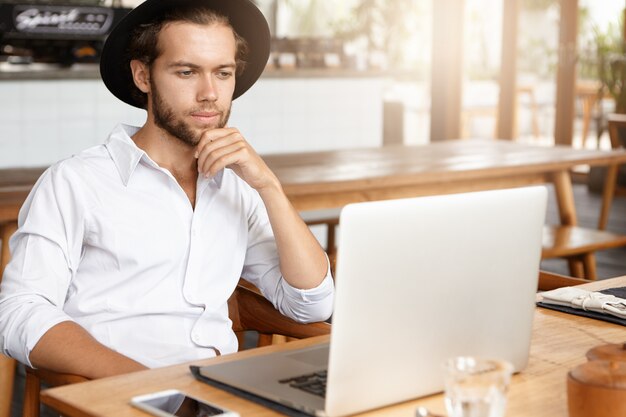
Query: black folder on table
x=618, y=292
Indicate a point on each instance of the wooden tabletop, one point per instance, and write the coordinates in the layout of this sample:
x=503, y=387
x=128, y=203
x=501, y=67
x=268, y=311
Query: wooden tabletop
x=559, y=343
x=331, y=179
x=441, y=161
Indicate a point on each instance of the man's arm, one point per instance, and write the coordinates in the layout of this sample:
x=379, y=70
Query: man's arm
x=68, y=348
x=34, y=329
x=303, y=263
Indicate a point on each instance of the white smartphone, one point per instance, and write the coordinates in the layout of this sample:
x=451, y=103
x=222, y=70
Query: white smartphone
x=174, y=403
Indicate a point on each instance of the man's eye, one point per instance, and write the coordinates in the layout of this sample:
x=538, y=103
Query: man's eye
x=224, y=74
x=185, y=73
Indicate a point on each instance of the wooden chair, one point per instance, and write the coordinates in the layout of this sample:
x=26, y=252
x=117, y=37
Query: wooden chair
x=578, y=245
x=248, y=310
x=609, y=180
x=7, y=365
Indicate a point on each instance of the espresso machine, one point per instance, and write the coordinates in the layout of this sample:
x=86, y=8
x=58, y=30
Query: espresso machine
x=56, y=32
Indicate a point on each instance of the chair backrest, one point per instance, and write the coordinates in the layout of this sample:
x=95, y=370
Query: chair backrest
x=617, y=123
x=250, y=311
x=550, y=281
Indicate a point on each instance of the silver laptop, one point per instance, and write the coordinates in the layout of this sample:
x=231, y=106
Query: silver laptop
x=418, y=281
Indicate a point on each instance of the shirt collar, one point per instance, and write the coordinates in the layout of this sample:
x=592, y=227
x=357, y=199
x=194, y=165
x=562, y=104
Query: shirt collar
x=126, y=155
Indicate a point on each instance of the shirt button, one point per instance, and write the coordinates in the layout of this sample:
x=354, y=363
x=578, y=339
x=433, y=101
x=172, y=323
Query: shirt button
x=195, y=337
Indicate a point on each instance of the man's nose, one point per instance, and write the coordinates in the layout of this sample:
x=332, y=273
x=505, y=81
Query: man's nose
x=207, y=90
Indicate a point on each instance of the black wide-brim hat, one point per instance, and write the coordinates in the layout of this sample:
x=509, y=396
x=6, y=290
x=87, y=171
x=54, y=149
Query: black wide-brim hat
x=245, y=18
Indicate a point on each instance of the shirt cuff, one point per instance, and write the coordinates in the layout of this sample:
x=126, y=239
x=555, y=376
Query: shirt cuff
x=312, y=294
x=325, y=288
x=41, y=320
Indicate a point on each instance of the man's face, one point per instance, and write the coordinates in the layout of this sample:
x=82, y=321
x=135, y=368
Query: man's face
x=192, y=81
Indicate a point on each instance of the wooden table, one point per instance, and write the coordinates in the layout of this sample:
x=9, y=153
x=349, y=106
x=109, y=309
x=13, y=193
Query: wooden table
x=559, y=343
x=331, y=179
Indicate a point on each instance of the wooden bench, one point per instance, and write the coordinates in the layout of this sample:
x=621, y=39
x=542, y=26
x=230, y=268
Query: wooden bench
x=577, y=245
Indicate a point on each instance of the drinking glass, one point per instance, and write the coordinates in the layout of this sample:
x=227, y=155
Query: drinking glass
x=476, y=387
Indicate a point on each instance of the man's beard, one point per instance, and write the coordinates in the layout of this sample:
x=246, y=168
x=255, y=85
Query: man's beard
x=165, y=119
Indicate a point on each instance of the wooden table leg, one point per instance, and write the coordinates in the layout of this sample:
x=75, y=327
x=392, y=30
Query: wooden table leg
x=607, y=195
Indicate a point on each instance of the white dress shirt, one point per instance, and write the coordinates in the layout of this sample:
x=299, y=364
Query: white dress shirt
x=109, y=240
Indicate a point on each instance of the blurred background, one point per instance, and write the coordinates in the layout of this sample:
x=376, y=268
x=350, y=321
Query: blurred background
x=342, y=74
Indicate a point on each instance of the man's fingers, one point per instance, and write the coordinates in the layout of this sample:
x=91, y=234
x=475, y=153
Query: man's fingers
x=218, y=133
x=211, y=141
x=210, y=147
x=215, y=135
x=212, y=162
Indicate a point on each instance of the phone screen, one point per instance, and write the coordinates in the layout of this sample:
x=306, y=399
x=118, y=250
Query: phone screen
x=181, y=405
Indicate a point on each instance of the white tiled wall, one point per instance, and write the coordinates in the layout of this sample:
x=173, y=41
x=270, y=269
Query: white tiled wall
x=44, y=121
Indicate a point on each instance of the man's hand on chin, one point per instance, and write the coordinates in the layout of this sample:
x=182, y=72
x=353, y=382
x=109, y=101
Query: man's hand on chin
x=226, y=147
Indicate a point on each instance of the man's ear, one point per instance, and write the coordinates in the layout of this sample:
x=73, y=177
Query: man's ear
x=141, y=75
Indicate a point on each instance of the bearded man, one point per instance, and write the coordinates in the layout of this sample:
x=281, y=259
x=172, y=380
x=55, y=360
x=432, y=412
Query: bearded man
x=127, y=253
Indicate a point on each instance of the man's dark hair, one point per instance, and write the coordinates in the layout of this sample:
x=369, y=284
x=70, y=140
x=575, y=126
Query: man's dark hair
x=143, y=43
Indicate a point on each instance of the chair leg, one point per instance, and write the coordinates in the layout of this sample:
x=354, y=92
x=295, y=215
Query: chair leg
x=241, y=339
x=31, y=395
x=278, y=339
x=264, y=339
x=608, y=193
x=583, y=266
x=589, y=264
x=576, y=267
x=7, y=375
x=330, y=241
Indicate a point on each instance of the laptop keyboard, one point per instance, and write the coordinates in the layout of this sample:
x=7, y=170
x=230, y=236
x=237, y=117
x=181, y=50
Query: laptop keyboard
x=314, y=383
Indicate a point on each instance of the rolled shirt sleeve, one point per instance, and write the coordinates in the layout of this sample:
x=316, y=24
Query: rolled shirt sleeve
x=36, y=281
x=306, y=306
x=261, y=268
